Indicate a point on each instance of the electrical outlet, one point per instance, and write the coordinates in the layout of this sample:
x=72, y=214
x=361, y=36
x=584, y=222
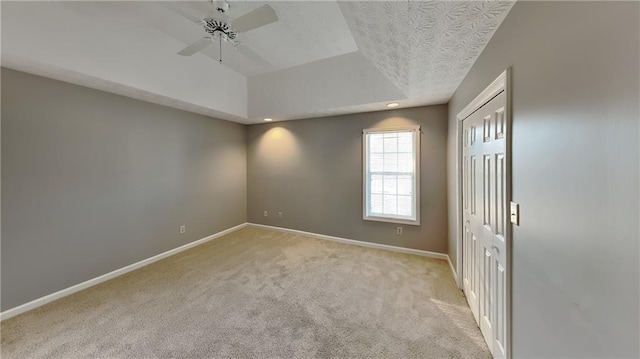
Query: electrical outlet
x=399, y=231
x=266, y=214
x=183, y=229
x=280, y=215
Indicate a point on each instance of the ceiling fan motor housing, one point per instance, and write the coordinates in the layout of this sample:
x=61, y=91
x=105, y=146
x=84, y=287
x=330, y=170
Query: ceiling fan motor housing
x=222, y=6
x=220, y=28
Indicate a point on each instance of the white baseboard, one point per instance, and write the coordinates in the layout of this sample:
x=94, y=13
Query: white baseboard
x=105, y=277
x=118, y=272
x=385, y=247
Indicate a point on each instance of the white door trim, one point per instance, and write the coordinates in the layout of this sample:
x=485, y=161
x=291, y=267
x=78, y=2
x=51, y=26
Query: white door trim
x=500, y=84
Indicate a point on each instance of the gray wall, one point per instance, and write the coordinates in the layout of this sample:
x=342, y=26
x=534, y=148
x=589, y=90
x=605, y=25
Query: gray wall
x=575, y=174
x=92, y=182
x=311, y=170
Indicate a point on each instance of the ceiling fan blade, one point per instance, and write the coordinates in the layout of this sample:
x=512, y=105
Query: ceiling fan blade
x=218, y=15
x=259, y=17
x=195, y=47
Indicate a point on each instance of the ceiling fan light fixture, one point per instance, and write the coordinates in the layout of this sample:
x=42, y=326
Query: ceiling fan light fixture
x=393, y=105
x=268, y=119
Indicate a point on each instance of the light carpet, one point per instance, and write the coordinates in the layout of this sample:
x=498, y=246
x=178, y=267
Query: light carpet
x=259, y=293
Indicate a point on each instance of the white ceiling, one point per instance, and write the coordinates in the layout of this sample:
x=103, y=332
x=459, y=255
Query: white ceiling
x=302, y=34
x=321, y=57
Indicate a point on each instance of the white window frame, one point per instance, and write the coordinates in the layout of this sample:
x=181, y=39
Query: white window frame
x=366, y=174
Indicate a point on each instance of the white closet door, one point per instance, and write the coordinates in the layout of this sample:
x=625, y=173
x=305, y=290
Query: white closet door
x=485, y=216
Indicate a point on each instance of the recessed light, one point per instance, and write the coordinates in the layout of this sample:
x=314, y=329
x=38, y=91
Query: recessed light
x=393, y=104
x=268, y=119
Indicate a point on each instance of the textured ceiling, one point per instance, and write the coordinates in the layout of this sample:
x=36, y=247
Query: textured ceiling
x=320, y=58
x=424, y=47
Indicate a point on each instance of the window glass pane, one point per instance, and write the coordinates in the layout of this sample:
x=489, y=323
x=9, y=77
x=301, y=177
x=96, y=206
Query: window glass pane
x=390, y=143
x=375, y=143
x=405, y=142
x=390, y=184
x=376, y=203
x=405, y=185
x=405, y=204
x=405, y=162
x=390, y=162
x=389, y=204
x=376, y=184
x=376, y=163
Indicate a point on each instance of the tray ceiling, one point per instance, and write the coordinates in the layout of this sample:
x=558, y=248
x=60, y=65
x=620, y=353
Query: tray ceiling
x=320, y=58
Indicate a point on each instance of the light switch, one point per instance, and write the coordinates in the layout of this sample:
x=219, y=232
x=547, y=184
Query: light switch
x=515, y=213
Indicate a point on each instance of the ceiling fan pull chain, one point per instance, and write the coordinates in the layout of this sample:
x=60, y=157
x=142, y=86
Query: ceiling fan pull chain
x=220, y=41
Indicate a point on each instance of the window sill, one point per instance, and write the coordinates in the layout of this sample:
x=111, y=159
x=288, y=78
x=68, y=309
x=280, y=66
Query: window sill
x=392, y=220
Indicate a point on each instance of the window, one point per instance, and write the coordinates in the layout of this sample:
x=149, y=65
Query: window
x=392, y=174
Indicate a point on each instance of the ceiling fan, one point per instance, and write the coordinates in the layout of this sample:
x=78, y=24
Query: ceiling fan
x=219, y=26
